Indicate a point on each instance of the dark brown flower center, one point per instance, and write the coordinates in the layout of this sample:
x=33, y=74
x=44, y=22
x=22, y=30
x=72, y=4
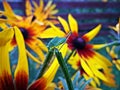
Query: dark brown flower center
x=114, y=58
x=79, y=43
x=24, y=33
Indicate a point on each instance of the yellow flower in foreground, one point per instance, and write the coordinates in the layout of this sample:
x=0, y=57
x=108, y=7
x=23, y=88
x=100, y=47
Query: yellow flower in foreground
x=89, y=59
x=31, y=25
x=21, y=75
x=114, y=56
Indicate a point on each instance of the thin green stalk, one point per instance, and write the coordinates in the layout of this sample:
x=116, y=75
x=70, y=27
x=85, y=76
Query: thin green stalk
x=64, y=69
x=46, y=63
x=112, y=43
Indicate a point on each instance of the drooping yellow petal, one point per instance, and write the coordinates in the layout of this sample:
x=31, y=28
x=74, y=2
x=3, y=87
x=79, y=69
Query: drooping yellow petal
x=96, y=71
x=73, y=24
x=6, y=82
x=98, y=62
x=86, y=68
x=108, y=63
x=46, y=79
x=21, y=72
x=64, y=24
x=32, y=57
x=42, y=46
x=44, y=82
x=38, y=51
x=90, y=35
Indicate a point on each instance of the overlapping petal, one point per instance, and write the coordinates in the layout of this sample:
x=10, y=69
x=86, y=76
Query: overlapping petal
x=31, y=25
x=6, y=82
x=21, y=74
x=88, y=58
x=90, y=35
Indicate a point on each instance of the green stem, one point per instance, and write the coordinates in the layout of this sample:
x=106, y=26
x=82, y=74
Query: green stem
x=112, y=43
x=64, y=69
x=46, y=63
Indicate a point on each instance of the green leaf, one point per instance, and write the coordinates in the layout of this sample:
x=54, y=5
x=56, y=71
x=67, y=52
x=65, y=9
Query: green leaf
x=55, y=42
x=48, y=59
x=64, y=69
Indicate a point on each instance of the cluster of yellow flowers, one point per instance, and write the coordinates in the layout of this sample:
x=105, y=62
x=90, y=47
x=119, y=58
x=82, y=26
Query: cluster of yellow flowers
x=40, y=23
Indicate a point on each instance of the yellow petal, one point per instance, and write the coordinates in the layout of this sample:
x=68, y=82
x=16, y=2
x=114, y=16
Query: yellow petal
x=32, y=57
x=117, y=64
x=42, y=46
x=48, y=4
x=5, y=38
x=52, y=32
x=38, y=51
x=39, y=9
x=28, y=9
x=86, y=68
x=7, y=32
x=90, y=35
x=54, y=12
x=98, y=46
x=108, y=49
x=96, y=72
x=64, y=24
x=114, y=28
x=52, y=86
x=105, y=60
x=21, y=72
x=8, y=9
x=73, y=24
x=6, y=82
x=2, y=21
x=46, y=79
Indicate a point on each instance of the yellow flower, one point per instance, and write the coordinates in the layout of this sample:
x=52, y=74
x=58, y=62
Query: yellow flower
x=31, y=25
x=21, y=75
x=84, y=52
x=114, y=56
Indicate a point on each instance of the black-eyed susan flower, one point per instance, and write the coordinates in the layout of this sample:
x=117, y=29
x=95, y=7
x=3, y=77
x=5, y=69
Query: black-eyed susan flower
x=114, y=56
x=31, y=25
x=89, y=59
x=21, y=74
